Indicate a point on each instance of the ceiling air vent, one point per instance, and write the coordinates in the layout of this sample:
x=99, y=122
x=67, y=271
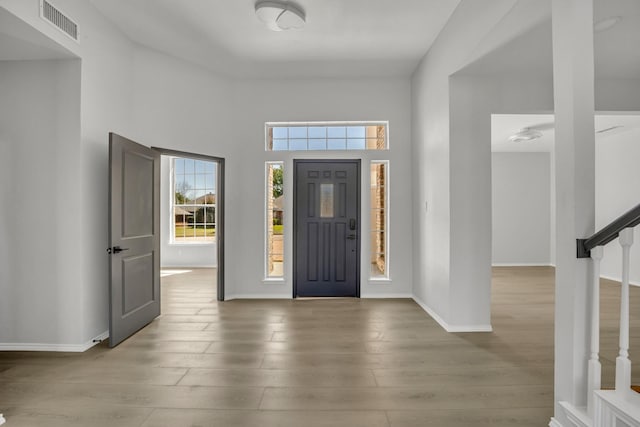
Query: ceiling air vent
x=50, y=13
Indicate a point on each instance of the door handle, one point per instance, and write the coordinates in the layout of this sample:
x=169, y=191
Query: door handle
x=116, y=250
x=351, y=236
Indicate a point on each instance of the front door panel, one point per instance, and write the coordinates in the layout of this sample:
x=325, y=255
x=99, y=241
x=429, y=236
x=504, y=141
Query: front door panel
x=326, y=228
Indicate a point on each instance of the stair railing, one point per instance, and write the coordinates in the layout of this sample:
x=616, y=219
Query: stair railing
x=592, y=247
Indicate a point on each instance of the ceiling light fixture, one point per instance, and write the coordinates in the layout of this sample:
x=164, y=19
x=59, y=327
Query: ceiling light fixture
x=606, y=23
x=278, y=15
x=609, y=129
x=526, y=134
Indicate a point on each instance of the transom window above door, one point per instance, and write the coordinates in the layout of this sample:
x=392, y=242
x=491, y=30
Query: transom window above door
x=325, y=136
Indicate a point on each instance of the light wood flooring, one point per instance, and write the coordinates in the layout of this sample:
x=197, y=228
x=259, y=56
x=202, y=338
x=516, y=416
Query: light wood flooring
x=333, y=362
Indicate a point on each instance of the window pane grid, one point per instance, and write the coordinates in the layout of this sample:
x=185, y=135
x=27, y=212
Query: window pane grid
x=194, y=201
x=322, y=137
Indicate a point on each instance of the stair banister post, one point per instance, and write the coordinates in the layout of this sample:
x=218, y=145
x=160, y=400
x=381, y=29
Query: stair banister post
x=623, y=364
x=595, y=368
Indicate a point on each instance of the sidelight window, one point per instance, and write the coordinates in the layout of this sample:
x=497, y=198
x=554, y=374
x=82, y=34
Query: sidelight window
x=274, y=220
x=379, y=220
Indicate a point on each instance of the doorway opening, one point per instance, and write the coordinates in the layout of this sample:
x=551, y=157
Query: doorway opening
x=192, y=220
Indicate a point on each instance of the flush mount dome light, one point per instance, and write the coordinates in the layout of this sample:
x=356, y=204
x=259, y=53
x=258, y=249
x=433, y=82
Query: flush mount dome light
x=278, y=16
x=525, y=134
x=606, y=23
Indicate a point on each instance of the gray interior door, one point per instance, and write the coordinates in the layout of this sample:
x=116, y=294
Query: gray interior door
x=134, y=227
x=326, y=228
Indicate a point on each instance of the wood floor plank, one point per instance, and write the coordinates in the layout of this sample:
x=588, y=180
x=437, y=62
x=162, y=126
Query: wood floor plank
x=100, y=416
x=63, y=395
x=408, y=398
x=190, y=418
x=335, y=377
x=90, y=373
x=520, y=417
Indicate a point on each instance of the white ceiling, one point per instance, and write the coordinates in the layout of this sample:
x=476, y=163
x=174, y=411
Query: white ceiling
x=341, y=37
x=616, y=52
x=505, y=125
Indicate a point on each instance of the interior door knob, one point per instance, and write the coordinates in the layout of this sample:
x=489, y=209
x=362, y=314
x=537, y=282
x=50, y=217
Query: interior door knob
x=116, y=250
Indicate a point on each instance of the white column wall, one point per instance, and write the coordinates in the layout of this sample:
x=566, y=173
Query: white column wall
x=431, y=168
x=39, y=204
x=473, y=100
x=451, y=160
x=575, y=189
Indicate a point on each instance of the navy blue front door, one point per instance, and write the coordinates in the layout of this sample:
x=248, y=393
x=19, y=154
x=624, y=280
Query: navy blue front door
x=326, y=228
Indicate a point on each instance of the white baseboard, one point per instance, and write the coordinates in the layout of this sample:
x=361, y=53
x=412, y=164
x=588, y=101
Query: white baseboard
x=577, y=416
x=386, y=295
x=186, y=267
x=521, y=264
x=72, y=348
x=258, y=296
x=554, y=423
x=451, y=328
x=97, y=340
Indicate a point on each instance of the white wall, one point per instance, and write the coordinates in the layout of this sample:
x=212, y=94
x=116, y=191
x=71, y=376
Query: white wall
x=617, y=175
x=103, y=104
x=617, y=94
x=521, y=208
x=451, y=159
x=107, y=62
x=180, y=106
x=259, y=101
x=40, y=203
x=179, y=254
x=617, y=181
